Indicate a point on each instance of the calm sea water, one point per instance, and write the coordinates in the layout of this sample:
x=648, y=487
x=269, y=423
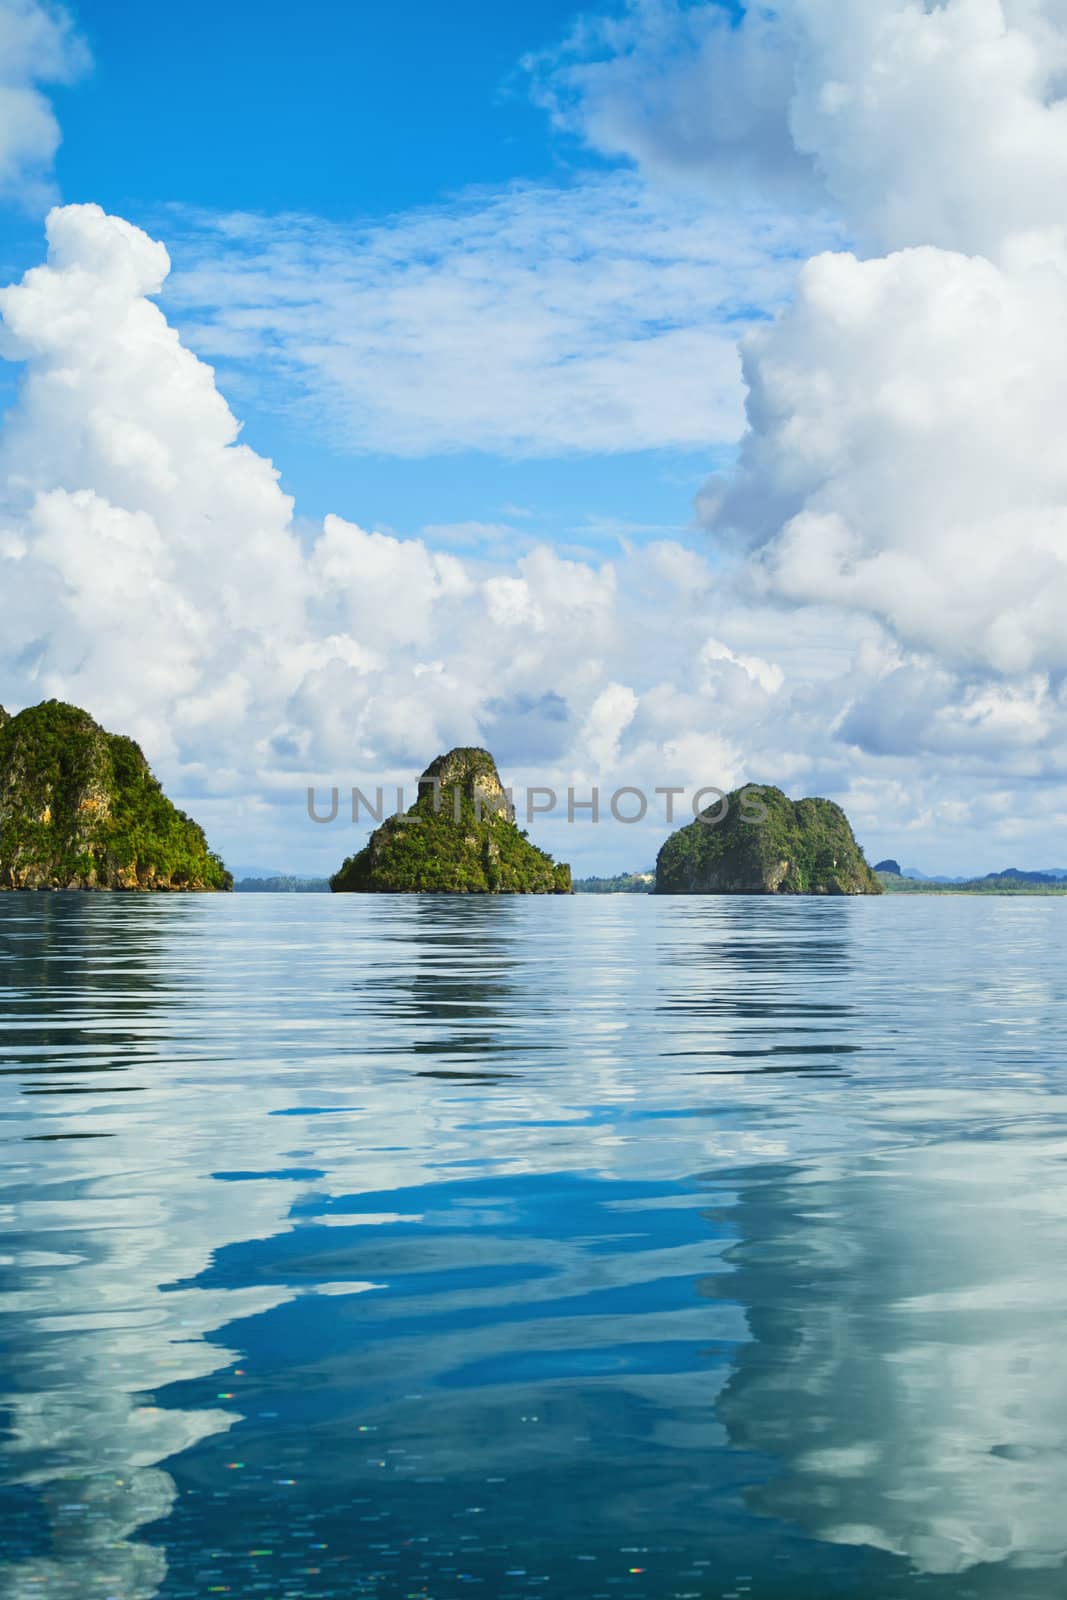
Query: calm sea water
x=569, y=1247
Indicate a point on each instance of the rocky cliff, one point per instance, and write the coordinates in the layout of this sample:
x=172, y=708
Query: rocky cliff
x=765, y=843
x=455, y=839
x=80, y=809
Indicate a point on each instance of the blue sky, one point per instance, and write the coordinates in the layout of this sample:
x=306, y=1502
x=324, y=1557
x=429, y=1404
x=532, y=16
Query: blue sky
x=351, y=114
x=344, y=110
x=354, y=110
x=694, y=374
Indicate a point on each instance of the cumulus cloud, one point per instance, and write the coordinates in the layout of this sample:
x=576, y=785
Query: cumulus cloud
x=140, y=538
x=935, y=121
x=38, y=45
x=926, y=121
x=688, y=92
x=536, y=321
x=153, y=571
x=902, y=455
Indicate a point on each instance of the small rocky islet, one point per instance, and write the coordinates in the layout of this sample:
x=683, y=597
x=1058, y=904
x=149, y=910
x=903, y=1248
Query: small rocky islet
x=758, y=841
x=81, y=809
x=457, y=838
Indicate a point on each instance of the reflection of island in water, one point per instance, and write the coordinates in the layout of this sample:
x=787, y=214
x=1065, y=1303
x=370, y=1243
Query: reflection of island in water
x=453, y=996
x=908, y=1371
x=441, y=1172
x=120, y=1302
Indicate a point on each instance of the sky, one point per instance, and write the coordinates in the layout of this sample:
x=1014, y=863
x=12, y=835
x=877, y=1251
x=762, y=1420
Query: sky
x=658, y=394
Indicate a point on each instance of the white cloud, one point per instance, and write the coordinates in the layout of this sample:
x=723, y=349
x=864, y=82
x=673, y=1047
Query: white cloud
x=904, y=454
x=150, y=539
x=685, y=91
x=152, y=571
x=927, y=121
x=38, y=45
x=535, y=321
x=920, y=1432
x=903, y=457
x=940, y=123
x=609, y=716
x=764, y=673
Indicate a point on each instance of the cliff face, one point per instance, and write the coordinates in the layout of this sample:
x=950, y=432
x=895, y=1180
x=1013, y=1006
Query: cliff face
x=443, y=846
x=80, y=809
x=766, y=844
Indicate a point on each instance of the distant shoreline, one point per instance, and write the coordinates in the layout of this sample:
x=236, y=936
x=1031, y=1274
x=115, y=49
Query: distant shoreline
x=631, y=884
x=1005, y=894
x=995, y=883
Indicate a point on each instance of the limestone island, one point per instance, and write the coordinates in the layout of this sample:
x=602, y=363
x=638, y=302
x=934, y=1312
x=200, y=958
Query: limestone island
x=456, y=839
x=80, y=809
x=765, y=844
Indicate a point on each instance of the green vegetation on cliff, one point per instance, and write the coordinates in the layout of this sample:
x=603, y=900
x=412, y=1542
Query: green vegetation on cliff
x=765, y=843
x=455, y=839
x=80, y=809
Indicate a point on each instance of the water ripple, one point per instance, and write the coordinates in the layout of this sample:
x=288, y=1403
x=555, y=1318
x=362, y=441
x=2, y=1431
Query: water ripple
x=603, y=1246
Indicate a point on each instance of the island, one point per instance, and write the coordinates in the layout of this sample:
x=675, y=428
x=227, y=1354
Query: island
x=81, y=809
x=457, y=838
x=621, y=883
x=758, y=841
x=1012, y=880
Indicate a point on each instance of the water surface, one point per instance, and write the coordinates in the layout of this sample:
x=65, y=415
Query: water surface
x=592, y=1247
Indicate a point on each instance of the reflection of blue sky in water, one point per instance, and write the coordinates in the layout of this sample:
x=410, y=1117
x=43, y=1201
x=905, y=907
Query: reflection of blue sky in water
x=504, y=1196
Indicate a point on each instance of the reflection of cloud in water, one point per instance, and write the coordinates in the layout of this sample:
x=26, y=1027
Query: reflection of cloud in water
x=91, y=1521
x=94, y=1333
x=908, y=1369
x=287, y=1047
x=81, y=1427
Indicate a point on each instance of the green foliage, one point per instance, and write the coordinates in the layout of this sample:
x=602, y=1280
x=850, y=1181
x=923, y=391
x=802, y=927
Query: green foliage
x=80, y=809
x=442, y=845
x=622, y=883
x=765, y=843
x=995, y=883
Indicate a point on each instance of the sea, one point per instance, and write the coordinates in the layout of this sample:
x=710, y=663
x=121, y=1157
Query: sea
x=588, y=1248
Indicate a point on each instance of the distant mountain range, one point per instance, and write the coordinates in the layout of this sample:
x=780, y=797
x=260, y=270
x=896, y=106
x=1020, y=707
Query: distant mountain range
x=1036, y=875
x=257, y=880
x=1048, y=880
